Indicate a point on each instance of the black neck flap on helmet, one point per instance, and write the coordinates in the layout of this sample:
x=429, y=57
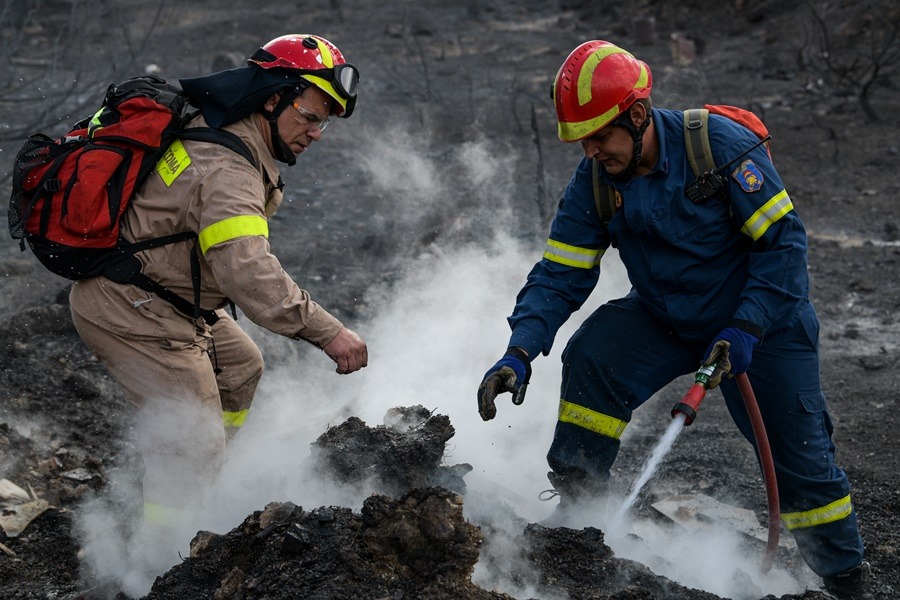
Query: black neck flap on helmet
x=229, y=96
x=234, y=94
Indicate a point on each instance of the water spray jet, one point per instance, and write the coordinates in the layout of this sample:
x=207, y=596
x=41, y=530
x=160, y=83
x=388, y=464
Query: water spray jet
x=688, y=407
x=684, y=413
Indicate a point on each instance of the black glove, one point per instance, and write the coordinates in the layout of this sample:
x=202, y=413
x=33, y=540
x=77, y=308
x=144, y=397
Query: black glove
x=510, y=374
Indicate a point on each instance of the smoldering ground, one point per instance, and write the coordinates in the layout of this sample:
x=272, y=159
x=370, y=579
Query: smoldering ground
x=364, y=227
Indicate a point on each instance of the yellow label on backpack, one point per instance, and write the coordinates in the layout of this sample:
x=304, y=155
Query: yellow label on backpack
x=173, y=163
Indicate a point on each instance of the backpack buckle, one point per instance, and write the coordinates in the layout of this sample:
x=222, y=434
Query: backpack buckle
x=52, y=185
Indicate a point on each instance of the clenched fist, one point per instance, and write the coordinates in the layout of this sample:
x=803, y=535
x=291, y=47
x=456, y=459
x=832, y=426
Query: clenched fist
x=348, y=351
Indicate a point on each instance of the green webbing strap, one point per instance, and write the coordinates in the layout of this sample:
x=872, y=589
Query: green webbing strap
x=696, y=140
x=604, y=195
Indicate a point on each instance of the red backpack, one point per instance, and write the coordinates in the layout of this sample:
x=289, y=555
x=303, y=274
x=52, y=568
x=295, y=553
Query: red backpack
x=69, y=193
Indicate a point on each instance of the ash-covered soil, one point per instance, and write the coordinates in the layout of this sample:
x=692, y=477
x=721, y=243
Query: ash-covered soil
x=453, y=146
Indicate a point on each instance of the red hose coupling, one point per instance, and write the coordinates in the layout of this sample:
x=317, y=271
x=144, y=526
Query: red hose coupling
x=690, y=403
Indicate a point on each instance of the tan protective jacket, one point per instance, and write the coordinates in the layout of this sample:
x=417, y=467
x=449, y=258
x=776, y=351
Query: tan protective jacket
x=215, y=192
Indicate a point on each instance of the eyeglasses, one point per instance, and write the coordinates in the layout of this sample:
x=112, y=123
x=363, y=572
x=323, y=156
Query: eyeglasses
x=310, y=118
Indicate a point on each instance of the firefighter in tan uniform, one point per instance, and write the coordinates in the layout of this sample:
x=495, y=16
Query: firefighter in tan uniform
x=194, y=380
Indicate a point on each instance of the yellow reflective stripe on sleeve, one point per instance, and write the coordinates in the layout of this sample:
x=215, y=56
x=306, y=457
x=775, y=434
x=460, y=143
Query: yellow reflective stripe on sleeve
x=173, y=162
x=158, y=514
x=829, y=513
x=760, y=221
x=573, y=256
x=231, y=228
x=234, y=418
x=591, y=420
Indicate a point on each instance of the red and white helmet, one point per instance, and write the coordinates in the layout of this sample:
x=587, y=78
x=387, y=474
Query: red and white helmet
x=596, y=83
x=318, y=61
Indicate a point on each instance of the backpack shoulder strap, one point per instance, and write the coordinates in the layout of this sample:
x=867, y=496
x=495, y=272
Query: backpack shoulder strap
x=218, y=136
x=696, y=139
x=128, y=269
x=604, y=195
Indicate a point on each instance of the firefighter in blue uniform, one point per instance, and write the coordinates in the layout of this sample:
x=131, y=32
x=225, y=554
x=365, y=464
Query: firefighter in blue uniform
x=720, y=280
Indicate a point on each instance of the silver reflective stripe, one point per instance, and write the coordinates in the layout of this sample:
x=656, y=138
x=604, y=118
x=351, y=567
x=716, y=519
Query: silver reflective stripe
x=760, y=221
x=573, y=256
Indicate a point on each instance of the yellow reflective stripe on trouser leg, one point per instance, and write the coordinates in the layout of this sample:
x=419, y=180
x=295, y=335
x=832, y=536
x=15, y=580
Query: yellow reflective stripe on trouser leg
x=231, y=228
x=233, y=421
x=590, y=420
x=234, y=418
x=760, y=221
x=573, y=256
x=158, y=514
x=837, y=510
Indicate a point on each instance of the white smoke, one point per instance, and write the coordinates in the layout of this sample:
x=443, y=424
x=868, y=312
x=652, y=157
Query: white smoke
x=435, y=333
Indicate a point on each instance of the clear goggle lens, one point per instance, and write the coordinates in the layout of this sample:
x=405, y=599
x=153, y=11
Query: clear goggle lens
x=311, y=119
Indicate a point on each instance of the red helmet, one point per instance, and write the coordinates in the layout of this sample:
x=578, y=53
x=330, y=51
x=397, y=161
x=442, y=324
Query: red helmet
x=596, y=83
x=319, y=62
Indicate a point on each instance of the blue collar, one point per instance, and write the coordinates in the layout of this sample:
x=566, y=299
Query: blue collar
x=662, y=161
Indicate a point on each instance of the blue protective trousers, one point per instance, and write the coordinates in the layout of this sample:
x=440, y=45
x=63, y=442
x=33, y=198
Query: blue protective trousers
x=621, y=355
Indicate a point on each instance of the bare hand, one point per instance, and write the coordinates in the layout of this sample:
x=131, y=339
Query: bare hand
x=349, y=351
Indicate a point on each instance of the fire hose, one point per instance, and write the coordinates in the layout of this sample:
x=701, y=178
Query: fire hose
x=688, y=408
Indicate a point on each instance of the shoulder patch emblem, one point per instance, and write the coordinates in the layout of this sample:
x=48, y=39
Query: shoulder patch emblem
x=748, y=176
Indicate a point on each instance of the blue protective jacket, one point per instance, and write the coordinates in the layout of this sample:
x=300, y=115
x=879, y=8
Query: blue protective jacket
x=697, y=267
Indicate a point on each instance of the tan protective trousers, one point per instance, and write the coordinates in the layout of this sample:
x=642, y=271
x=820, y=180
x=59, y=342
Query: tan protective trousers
x=166, y=369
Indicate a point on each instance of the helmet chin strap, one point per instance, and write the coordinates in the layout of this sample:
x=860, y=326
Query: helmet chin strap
x=637, y=137
x=280, y=150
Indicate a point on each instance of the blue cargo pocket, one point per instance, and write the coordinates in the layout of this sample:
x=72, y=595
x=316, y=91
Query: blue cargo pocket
x=812, y=435
x=810, y=325
x=812, y=402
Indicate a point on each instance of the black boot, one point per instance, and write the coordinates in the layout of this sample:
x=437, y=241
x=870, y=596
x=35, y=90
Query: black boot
x=852, y=584
x=582, y=499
